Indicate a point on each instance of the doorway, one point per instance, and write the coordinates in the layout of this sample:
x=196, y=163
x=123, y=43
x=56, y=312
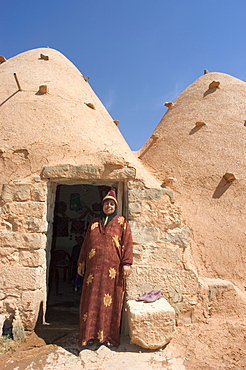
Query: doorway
x=75, y=207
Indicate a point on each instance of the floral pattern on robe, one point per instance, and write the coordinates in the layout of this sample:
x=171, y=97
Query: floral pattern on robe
x=104, y=252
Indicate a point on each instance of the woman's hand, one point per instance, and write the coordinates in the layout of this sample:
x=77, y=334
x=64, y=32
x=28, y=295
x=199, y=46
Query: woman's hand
x=126, y=271
x=81, y=269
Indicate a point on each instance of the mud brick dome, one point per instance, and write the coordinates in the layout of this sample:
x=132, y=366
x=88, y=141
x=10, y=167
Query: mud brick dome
x=200, y=152
x=183, y=192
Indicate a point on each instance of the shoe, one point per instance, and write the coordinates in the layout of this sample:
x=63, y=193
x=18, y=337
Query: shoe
x=145, y=296
x=153, y=296
x=92, y=344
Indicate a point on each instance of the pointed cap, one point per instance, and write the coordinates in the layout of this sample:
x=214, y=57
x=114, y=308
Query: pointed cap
x=111, y=195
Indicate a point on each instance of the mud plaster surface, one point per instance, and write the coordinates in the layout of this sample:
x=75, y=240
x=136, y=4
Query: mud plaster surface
x=215, y=344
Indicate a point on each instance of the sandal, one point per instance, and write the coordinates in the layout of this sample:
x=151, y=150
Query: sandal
x=150, y=296
x=153, y=297
x=145, y=296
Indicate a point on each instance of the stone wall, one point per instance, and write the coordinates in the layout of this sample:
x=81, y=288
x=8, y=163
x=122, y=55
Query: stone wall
x=23, y=228
x=161, y=250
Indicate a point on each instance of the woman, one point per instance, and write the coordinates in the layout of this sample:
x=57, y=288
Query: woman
x=105, y=261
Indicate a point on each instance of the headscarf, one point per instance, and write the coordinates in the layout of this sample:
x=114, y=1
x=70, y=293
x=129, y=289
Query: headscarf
x=107, y=218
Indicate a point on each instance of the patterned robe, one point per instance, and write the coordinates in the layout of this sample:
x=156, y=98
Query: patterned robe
x=104, y=252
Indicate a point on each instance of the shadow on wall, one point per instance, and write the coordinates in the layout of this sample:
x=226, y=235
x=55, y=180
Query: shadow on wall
x=221, y=188
x=209, y=91
x=5, y=101
x=194, y=130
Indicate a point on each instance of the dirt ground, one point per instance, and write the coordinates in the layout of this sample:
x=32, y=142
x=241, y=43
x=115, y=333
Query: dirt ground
x=215, y=344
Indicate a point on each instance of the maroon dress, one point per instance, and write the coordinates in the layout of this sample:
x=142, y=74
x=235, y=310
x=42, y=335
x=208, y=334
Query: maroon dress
x=104, y=252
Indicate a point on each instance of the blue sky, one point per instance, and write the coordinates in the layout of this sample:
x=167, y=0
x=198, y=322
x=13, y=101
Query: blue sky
x=138, y=53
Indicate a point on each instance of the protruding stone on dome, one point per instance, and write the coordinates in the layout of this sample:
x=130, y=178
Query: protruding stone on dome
x=229, y=177
x=71, y=98
x=43, y=89
x=168, y=104
x=206, y=71
x=209, y=169
x=44, y=57
x=2, y=59
x=154, y=137
x=116, y=122
x=200, y=123
x=90, y=105
x=214, y=85
x=17, y=82
x=168, y=181
x=86, y=78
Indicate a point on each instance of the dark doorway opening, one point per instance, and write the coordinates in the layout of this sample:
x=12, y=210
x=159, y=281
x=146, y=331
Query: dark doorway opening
x=75, y=207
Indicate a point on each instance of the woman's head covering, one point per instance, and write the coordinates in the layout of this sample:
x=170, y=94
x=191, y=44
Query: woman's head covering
x=111, y=195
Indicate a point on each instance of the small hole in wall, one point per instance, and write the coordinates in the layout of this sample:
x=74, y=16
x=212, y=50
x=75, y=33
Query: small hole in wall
x=245, y=123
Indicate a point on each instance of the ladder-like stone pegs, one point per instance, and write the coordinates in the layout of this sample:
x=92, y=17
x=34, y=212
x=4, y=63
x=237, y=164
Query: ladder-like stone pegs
x=44, y=57
x=86, y=78
x=116, y=122
x=2, y=59
x=168, y=104
x=229, y=177
x=17, y=82
x=43, y=89
x=200, y=123
x=90, y=105
x=214, y=85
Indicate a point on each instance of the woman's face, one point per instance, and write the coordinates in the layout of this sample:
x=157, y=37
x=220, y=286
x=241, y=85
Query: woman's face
x=108, y=207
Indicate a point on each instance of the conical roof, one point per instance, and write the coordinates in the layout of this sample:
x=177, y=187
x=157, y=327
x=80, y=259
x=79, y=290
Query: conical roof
x=197, y=149
x=66, y=123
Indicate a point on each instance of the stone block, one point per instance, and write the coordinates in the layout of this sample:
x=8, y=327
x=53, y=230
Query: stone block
x=134, y=208
x=17, y=223
x=29, y=318
x=185, y=314
x=27, y=209
x=32, y=258
x=135, y=195
x=22, y=278
x=5, y=226
x=151, y=325
x=12, y=292
x=135, y=184
x=158, y=254
x=39, y=192
x=16, y=192
x=138, y=195
x=36, y=225
x=23, y=241
x=8, y=255
x=144, y=234
x=30, y=300
x=72, y=172
x=88, y=172
x=9, y=304
x=178, y=236
x=218, y=289
x=164, y=279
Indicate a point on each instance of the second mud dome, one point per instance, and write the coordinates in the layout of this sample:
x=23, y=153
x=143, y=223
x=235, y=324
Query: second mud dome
x=183, y=194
